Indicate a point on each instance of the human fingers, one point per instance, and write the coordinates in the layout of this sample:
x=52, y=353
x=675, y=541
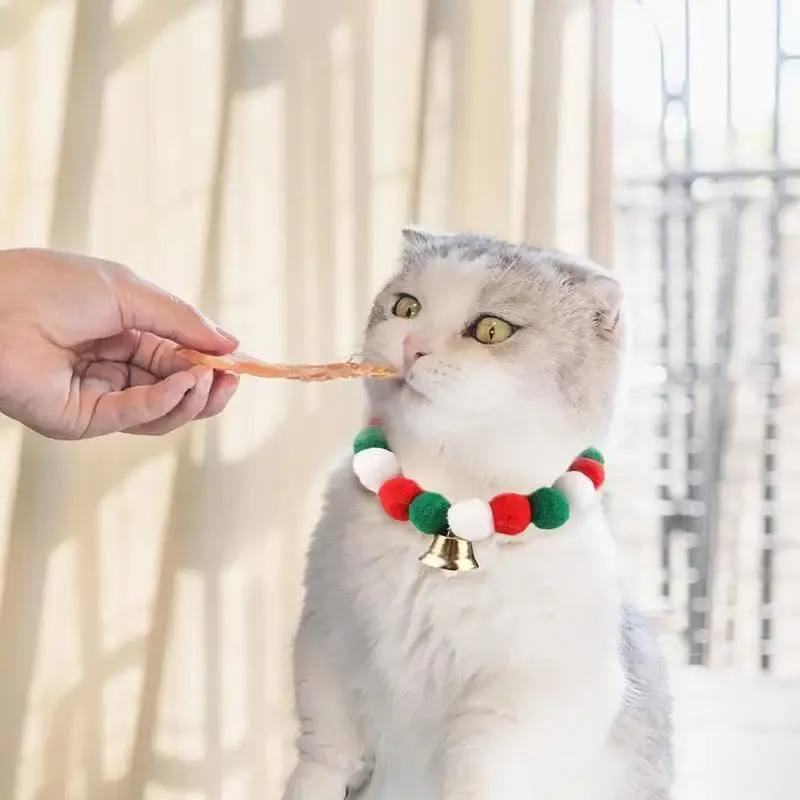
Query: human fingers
x=223, y=387
x=222, y=390
x=139, y=405
x=142, y=352
x=146, y=307
x=190, y=408
x=144, y=359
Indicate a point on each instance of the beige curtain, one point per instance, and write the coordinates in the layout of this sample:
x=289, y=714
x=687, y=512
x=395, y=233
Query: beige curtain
x=257, y=157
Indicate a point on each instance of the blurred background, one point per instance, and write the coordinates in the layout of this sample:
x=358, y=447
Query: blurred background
x=258, y=157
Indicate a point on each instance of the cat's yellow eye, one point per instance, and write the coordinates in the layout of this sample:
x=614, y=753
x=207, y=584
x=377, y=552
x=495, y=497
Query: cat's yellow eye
x=491, y=330
x=407, y=307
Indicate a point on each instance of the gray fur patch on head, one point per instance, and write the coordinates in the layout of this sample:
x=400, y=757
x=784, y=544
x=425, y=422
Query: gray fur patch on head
x=421, y=245
x=524, y=261
x=503, y=257
x=377, y=315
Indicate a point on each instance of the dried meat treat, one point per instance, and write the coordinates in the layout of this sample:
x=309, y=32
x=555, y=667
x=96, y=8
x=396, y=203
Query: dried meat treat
x=247, y=365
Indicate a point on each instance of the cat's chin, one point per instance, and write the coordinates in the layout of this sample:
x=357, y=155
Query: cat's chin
x=412, y=395
x=403, y=395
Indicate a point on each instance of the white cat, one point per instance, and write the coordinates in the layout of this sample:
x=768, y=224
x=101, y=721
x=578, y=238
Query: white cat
x=530, y=677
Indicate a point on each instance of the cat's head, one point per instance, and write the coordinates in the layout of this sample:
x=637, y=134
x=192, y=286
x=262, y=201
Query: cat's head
x=508, y=353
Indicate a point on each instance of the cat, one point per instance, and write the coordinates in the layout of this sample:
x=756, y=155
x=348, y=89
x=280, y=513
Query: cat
x=531, y=677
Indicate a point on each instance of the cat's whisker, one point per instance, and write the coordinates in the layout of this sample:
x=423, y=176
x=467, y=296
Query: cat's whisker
x=360, y=357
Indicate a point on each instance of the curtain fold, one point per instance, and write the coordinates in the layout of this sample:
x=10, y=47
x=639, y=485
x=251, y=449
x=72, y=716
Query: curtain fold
x=257, y=157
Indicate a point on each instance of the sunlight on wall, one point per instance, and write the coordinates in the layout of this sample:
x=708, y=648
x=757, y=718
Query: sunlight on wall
x=39, y=108
x=438, y=119
x=55, y=733
x=573, y=161
x=233, y=589
x=182, y=729
x=344, y=220
x=253, y=237
x=151, y=200
x=10, y=446
x=155, y=792
x=121, y=694
x=129, y=543
x=262, y=17
x=258, y=159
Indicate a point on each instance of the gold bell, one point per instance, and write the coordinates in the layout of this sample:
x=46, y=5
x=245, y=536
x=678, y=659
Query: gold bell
x=448, y=552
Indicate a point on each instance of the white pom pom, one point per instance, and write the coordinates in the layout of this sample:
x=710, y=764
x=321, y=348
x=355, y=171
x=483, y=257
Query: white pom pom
x=374, y=466
x=471, y=520
x=578, y=489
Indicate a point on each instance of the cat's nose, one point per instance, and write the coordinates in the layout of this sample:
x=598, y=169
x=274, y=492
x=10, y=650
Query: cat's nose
x=414, y=347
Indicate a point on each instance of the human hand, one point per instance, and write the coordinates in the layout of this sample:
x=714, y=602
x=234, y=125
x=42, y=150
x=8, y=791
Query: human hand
x=87, y=348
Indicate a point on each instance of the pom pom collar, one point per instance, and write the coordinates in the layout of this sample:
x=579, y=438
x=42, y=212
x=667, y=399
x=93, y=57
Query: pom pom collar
x=546, y=508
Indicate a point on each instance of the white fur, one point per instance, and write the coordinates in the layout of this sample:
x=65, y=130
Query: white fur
x=499, y=684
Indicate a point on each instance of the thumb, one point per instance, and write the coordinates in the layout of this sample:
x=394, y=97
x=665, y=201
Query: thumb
x=138, y=405
x=145, y=307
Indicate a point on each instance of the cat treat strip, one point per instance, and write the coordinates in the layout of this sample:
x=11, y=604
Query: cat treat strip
x=243, y=364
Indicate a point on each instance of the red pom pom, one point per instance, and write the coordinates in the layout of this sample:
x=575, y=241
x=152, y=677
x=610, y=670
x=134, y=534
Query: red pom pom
x=592, y=469
x=511, y=512
x=396, y=496
x=375, y=422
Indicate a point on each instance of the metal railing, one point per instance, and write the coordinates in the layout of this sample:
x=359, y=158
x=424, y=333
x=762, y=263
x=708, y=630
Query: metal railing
x=700, y=349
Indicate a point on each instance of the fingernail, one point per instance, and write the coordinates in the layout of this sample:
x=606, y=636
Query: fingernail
x=225, y=335
x=231, y=390
x=202, y=382
x=218, y=330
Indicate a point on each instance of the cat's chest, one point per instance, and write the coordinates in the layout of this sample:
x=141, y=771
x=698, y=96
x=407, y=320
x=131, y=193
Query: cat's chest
x=527, y=603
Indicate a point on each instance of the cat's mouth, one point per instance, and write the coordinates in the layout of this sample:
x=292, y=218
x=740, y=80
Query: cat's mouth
x=409, y=389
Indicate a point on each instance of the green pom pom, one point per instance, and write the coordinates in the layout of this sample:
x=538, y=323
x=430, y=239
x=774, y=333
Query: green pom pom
x=549, y=508
x=370, y=437
x=428, y=512
x=594, y=454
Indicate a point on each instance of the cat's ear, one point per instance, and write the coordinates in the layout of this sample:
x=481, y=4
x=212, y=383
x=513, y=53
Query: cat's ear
x=606, y=291
x=415, y=237
x=600, y=287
